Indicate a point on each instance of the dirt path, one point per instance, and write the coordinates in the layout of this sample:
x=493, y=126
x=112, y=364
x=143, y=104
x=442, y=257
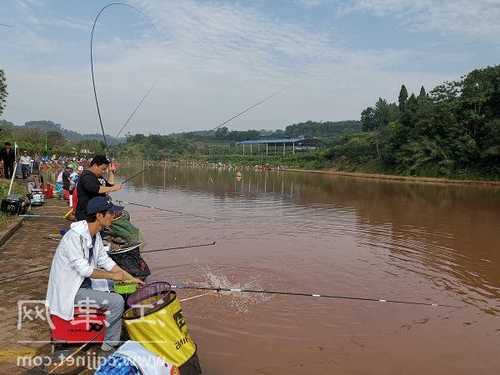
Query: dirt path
x=28, y=249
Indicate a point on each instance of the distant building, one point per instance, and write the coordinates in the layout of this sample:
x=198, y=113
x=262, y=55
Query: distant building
x=283, y=144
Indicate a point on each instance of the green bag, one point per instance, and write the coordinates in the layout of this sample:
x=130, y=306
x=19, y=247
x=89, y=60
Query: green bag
x=123, y=228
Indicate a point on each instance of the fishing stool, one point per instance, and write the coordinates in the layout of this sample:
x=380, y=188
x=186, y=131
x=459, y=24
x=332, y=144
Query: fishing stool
x=87, y=325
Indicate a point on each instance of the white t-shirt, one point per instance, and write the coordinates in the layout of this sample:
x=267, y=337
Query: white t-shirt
x=25, y=159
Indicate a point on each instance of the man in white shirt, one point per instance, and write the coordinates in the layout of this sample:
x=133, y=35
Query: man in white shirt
x=25, y=161
x=81, y=267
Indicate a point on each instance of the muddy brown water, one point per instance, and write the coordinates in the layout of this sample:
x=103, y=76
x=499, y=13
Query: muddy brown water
x=328, y=235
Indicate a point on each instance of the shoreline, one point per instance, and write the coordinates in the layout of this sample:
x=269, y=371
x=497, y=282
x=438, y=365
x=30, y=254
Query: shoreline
x=391, y=177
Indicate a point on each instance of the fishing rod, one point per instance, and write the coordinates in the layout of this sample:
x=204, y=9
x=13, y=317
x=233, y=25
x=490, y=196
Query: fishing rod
x=307, y=294
x=92, y=65
x=134, y=175
x=42, y=216
x=179, y=248
x=163, y=209
x=13, y=277
x=218, y=126
x=247, y=109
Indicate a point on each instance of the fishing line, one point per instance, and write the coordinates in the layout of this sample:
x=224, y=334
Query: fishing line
x=135, y=110
x=163, y=209
x=306, y=294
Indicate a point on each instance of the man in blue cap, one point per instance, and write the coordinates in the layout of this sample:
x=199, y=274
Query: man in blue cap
x=81, y=268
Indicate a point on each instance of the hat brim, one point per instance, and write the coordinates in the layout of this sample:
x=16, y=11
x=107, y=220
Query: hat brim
x=115, y=209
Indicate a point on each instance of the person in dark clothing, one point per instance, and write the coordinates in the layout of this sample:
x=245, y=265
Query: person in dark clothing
x=8, y=156
x=91, y=184
x=66, y=180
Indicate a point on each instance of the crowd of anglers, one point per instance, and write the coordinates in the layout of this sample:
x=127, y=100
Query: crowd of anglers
x=97, y=253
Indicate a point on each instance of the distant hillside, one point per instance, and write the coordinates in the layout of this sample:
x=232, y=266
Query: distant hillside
x=45, y=125
x=325, y=129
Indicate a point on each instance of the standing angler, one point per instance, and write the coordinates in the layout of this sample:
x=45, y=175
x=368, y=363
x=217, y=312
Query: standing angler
x=92, y=184
x=8, y=156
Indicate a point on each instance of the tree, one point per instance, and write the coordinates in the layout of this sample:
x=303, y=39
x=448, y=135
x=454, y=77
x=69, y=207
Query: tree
x=55, y=138
x=385, y=113
x=368, y=122
x=403, y=96
x=422, y=94
x=3, y=91
x=222, y=133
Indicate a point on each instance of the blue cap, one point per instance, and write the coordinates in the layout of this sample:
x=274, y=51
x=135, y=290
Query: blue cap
x=99, y=204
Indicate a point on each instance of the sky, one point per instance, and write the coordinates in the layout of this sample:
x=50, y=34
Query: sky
x=207, y=60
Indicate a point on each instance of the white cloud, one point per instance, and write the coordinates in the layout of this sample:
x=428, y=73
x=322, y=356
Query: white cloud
x=476, y=19
x=213, y=59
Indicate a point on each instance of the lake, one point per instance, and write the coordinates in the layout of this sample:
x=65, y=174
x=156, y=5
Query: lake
x=324, y=234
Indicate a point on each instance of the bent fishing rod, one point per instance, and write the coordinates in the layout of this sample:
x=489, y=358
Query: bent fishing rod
x=92, y=66
x=13, y=277
x=307, y=294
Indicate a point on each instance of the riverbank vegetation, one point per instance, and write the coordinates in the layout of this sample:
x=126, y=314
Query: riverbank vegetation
x=48, y=138
x=451, y=131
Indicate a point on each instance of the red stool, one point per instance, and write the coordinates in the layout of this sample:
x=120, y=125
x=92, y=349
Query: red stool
x=88, y=325
x=48, y=191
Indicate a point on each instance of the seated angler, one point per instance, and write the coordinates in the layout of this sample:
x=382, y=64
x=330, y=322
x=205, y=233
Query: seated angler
x=81, y=266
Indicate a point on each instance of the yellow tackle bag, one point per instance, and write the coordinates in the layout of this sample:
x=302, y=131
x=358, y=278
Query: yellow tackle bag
x=155, y=320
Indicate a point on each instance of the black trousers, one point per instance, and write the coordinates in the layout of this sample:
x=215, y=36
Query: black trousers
x=8, y=169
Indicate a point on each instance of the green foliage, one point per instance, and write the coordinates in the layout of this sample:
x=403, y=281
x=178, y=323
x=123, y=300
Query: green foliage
x=215, y=143
x=423, y=93
x=50, y=126
x=358, y=147
x=403, y=97
x=453, y=131
x=378, y=117
x=321, y=129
